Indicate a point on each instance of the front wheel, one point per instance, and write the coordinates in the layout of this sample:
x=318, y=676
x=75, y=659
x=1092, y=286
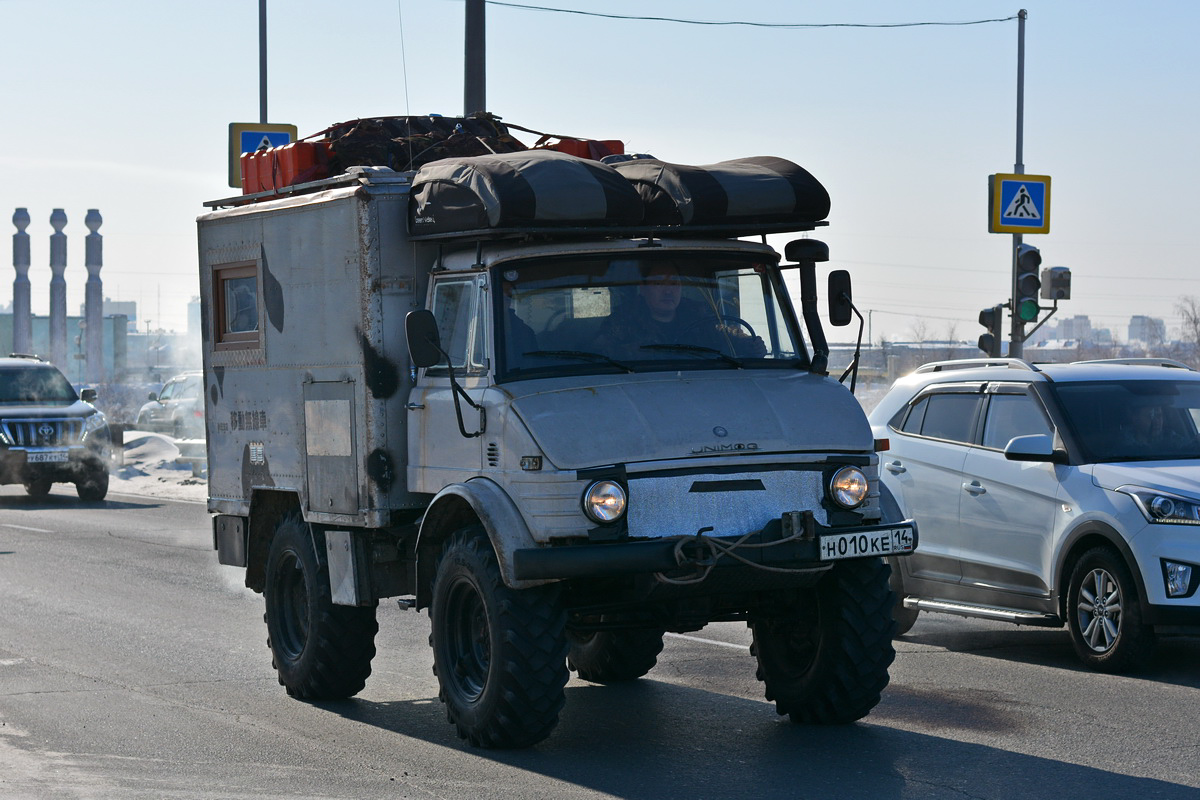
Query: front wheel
x=824, y=654
x=320, y=651
x=499, y=653
x=1104, y=614
x=38, y=488
x=94, y=485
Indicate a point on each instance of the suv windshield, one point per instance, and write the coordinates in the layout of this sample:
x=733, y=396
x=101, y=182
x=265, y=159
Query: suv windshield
x=34, y=384
x=643, y=313
x=1133, y=420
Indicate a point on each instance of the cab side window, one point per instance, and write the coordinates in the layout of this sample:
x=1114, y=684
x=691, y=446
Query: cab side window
x=1010, y=415
x=459, y=313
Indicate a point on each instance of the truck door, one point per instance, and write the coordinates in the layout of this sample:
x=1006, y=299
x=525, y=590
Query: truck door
x=438, y=452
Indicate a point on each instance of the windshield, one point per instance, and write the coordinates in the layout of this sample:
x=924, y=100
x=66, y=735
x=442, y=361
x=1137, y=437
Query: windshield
x=35, y=385
x=651, y=312
x=1134, y=420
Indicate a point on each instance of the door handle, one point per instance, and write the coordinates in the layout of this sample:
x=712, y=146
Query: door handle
x=974, y=487
x=415, y=406
x=895, y=467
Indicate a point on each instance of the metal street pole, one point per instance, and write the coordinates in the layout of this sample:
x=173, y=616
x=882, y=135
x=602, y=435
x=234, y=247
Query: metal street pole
x=1016, y=341
x=262, y=60
x=474, y=72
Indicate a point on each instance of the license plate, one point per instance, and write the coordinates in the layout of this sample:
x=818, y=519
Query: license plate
x=44, y=456
x=884, y=542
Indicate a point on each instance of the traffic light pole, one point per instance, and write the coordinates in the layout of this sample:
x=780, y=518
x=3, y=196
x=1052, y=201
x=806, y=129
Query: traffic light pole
x=1016, y=342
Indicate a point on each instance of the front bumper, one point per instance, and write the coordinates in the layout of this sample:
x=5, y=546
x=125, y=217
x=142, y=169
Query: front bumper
x=780, y=545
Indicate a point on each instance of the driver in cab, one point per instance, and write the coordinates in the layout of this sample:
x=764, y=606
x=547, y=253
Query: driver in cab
x=660, y=316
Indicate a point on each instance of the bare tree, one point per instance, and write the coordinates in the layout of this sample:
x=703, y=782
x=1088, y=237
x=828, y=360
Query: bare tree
x=1188, y=309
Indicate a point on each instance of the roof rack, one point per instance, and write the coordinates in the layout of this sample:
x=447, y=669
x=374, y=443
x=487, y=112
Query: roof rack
x=30, y=356
x=1143, y=362
x=975, y=363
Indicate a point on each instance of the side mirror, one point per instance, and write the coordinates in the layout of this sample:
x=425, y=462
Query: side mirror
x=840, y=305
x=1038, y=447
x=154, y=395
x=424, y=341
x=87, y=395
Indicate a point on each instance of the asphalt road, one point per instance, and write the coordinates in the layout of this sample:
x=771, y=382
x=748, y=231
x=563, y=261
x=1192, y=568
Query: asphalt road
x=132, y=665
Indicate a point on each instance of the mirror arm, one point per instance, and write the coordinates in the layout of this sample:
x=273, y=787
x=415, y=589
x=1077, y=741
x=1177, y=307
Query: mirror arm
x=459, y=391
x=857, y=347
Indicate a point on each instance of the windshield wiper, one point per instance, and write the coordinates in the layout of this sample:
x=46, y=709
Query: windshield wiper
x=698, y=349
x=581, y=354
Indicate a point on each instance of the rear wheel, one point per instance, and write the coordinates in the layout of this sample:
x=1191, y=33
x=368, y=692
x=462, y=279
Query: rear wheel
x=38, y=487
x=824, y=656
x=320, y=651
x=499, y=653
x=1104, y=614
x=614, y=656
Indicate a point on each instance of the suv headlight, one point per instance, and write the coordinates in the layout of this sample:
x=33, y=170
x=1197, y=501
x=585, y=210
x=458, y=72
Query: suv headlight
x=1163, y=507
x=848, y=487
x=604, y=501
x=93, y=422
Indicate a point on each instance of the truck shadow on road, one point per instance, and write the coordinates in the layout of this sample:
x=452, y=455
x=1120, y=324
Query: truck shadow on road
x=54, y=502
x=651, y=740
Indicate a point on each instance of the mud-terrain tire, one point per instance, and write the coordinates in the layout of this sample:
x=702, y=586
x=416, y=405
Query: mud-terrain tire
x=499, y=653
x=38, y=488
x=905, y=617
x=1104, y=614
x=824, y=657
x=320, y=651
x=93, y=487
x=614, y=656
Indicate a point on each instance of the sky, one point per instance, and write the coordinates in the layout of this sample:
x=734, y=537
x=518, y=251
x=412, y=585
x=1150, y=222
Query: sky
x=125, y=106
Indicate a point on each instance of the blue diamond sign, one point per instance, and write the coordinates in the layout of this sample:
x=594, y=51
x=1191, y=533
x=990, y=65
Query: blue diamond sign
x=248, y=137
x=1018, y=203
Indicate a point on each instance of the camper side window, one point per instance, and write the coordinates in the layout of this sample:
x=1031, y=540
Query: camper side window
x=459, y=315
x=235, y=292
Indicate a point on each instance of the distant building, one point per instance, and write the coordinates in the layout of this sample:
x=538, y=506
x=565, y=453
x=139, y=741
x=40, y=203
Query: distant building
x=126, y=308
x=1148, y=330
x=1077, y=327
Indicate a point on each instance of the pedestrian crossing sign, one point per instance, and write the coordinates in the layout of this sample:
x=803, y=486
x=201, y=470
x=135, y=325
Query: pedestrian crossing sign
x=248, y=137
x=1018, y=203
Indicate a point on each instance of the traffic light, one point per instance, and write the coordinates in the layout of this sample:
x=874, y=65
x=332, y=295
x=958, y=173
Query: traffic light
x=1028, y=283
x=992, y=319
x=1056, y=283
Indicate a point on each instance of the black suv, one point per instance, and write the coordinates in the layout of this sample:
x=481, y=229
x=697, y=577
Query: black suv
x=48, y=433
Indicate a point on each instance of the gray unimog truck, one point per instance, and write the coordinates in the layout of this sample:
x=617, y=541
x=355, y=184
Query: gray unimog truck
x=565, y=406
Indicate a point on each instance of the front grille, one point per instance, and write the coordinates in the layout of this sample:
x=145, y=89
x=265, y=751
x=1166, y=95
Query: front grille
x=43, y=432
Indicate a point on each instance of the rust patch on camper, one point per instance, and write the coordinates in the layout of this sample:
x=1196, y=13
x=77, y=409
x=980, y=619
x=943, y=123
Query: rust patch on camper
x=382, y=375
x=272, y=293
x=381, y=469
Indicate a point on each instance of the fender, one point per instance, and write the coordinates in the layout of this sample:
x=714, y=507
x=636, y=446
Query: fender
x=1094, y=528
x=461, y=504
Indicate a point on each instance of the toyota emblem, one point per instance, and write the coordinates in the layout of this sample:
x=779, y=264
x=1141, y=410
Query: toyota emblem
x=45, y=431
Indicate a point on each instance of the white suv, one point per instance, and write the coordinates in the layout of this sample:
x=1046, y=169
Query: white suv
x=1050, y=494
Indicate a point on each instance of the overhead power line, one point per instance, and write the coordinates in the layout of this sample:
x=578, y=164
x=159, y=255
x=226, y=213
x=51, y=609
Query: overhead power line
x=784, y=25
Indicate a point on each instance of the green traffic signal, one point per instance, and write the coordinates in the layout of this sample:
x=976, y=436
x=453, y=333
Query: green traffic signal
x=1027, y=310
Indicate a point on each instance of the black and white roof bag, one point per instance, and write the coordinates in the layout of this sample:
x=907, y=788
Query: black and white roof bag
x=526, y=190
x=742, y=192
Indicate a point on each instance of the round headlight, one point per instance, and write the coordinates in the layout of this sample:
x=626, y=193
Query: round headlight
x=1162, y=507
x=604, y=501
x=848, y=487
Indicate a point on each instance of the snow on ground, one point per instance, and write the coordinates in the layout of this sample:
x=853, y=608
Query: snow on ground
x=150, y=469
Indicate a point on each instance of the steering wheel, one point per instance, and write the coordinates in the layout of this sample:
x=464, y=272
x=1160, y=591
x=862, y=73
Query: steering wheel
x=723, y=319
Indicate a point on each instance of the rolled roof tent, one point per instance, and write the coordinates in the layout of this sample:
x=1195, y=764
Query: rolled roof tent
x=544, y=191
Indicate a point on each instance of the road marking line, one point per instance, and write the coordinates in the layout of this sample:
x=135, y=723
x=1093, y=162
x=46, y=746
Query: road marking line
x=24, y=528
x=708, y=641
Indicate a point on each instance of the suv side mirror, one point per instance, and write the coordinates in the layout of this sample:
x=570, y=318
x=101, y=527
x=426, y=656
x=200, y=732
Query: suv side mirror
x=87, y=395
x=840, y=304
x=1038, y=447
x=424, y=341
